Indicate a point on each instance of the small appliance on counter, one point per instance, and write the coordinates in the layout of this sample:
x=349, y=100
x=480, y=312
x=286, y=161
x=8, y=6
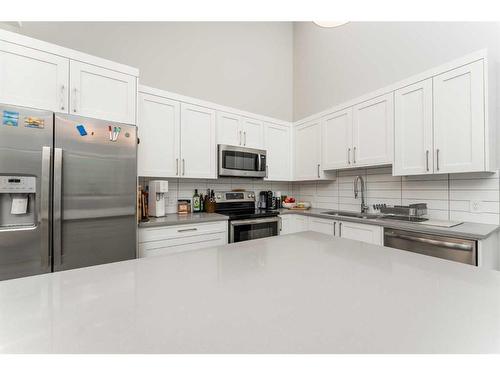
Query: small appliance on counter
x=267, y=200
x=157, y=196
x=184, y=206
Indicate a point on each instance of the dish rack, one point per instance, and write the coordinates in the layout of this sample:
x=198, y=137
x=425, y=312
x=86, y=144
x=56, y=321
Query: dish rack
x=416, y=210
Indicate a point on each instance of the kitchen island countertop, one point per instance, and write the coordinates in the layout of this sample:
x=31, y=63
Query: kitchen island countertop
x=300, y=293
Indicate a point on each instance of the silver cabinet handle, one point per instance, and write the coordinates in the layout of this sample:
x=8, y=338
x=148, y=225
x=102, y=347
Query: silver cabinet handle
x=334, y=227
x=62, y=97
x=318, y=171
x=183, y=167
x=177, y=166
x=187, y=230
x=75, y=91
x=437, y=159
x=349, y=155
x=245, y=138
x=57, y=207
x=267, y=170
x=44, y=207
x=427, y=160
x=354, y=155
x=340, y=229
x=240, y=137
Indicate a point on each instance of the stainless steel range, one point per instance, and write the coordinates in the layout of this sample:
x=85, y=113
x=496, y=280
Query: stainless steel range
x=246, y=222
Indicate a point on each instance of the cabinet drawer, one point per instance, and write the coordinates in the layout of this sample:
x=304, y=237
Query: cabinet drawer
x=180, y=244
x=180, y=231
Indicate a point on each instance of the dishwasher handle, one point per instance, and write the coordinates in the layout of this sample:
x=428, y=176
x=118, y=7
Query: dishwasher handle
x=429, y=241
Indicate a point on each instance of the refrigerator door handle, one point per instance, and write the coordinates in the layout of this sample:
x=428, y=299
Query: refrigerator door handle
x=44, y=206
x=57, y=237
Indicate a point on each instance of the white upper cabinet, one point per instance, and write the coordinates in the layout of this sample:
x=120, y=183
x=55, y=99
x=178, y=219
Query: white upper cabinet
x=237, y=130
x=229, y=129
x=308, y=152
x=253, y=131
x=373, y=123
x=33, y=78
x=159, y=134
x=102, y=93
x=337, y=139
x=459, y=120
x=198, y=144
x=413, y=150
x=278, y=140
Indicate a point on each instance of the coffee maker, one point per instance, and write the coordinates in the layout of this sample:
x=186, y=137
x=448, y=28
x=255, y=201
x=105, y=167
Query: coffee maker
x=157, y=197
x=266, y=200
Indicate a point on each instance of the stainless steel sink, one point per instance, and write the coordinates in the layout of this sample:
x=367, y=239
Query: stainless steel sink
x=359, y=215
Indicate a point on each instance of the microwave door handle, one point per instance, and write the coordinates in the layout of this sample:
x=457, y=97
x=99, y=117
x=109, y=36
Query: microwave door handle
x=259, y=163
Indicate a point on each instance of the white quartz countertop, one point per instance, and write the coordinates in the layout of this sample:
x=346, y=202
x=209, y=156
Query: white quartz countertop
x=179, y=219
x=298, y=293
x=468, y=230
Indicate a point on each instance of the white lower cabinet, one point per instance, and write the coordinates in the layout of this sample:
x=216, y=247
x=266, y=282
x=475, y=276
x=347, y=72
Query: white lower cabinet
x=325, y=226
x=293, y=223
x=373, y=234
x=180, y=238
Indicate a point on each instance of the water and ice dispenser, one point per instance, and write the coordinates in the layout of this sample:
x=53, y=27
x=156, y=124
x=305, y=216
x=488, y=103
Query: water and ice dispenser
x=17, y=201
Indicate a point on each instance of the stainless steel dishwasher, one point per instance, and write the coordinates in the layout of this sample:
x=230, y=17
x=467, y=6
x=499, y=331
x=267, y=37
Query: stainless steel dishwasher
x=456, y=249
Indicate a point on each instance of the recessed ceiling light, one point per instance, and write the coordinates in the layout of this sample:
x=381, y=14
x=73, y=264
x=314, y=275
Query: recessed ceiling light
x=330, y=23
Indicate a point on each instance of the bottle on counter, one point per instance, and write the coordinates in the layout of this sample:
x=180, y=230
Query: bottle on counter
x=202, y=203
x=196, y=201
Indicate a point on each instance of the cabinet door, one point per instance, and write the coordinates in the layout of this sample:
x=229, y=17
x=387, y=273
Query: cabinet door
x=361, y=232
x=336, y=136
x=286, y=227
x=373, y=123
x=102, y=93
x=321, y=225
x=300, y=223
x=198, y=147
x=413, y=153
x=459, y=134
x=277, y=139
x=229, y=129
x=32, y=78
x=253, y=131
x=308, y=151
x=159, y=127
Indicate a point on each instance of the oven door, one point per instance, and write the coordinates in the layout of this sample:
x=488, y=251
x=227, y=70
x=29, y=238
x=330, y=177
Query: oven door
x=241, y=162
x=251, y=229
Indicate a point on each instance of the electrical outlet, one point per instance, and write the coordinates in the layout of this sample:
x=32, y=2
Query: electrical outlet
x=475, y=206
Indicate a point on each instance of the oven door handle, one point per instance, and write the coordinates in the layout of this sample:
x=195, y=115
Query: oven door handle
x=237, y=223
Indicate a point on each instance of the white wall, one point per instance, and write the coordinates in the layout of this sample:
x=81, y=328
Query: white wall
x=246, y=65
x=332, y=65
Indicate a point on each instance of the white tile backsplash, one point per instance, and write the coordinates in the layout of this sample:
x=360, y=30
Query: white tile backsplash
x=179, y=188
x=448, y=197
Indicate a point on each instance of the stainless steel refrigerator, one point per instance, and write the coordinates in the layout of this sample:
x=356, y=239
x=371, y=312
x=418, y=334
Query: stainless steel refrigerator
x=67, y=192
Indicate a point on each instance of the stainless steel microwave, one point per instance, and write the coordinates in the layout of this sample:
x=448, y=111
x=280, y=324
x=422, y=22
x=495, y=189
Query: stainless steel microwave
x=242, y=162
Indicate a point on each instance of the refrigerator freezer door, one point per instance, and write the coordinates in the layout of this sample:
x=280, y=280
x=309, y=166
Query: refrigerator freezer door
x=95, y=168
x=25, y=153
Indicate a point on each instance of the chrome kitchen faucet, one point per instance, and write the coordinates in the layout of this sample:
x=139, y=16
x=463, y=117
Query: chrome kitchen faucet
x=364, y=207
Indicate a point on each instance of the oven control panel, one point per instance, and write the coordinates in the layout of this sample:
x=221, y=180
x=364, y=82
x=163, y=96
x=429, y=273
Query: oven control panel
x=234, y=196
